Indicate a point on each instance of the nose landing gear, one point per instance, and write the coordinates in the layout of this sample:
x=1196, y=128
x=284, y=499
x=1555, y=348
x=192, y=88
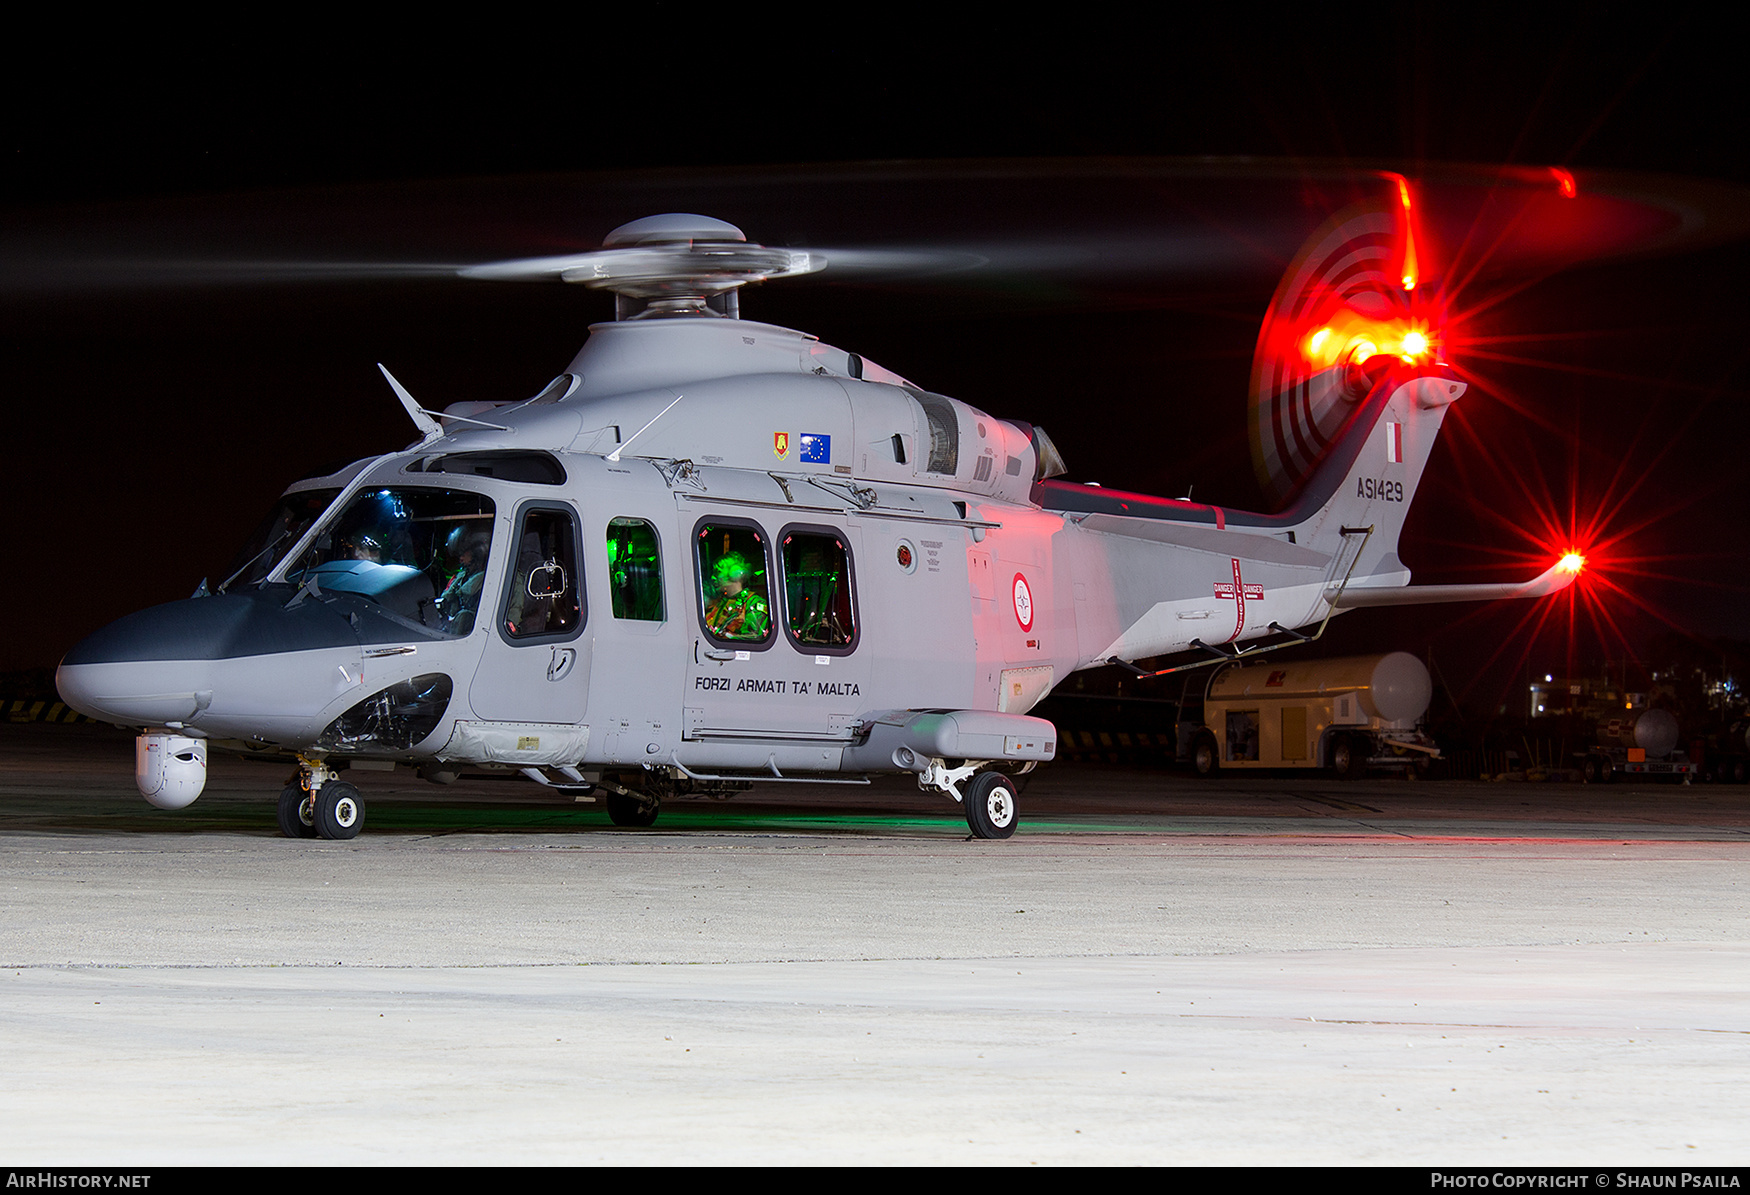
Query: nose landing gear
x=340, y=812
x=316, y=805
x=297, y=817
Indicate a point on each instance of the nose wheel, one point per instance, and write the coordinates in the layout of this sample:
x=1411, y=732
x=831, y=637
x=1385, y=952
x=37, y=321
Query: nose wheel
x=316, y=805
x=296, y=817
x=339, y=810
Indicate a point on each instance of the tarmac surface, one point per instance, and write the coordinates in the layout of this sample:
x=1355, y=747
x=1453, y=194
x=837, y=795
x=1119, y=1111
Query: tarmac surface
x=1253, y=970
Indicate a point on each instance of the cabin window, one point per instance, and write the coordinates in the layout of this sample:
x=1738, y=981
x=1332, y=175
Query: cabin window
x=819, y=606
x=544, y=597
x=535, y=468
x=735, y=603
x=635, y=570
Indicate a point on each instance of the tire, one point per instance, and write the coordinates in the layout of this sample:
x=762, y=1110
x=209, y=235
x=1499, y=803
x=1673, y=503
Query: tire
x=630, y=811
x=295, y=817
x=1590, y=772
x=1205, y=755
x=990, y=805
x=1349, y=756
x=339, y=812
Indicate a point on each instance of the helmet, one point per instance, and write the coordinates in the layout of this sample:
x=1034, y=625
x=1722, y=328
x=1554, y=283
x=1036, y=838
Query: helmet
x=732, y=567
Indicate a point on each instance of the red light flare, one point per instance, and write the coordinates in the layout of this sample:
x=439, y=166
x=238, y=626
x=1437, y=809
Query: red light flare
x=1613, y=467
x=1469, y=259
x=1539, y=526
x=1409, y=268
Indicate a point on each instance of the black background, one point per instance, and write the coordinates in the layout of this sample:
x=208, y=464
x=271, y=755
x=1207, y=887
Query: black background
x=151, y=423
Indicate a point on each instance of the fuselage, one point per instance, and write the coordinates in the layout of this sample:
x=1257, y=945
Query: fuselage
x=714, y=544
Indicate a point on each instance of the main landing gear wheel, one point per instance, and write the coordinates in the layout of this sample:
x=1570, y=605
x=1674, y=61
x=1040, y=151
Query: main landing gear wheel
x=296, y=818
x=630, y=811
x=990, y=805
x=339, y=812
x=1349, y=757
x=1205, y=755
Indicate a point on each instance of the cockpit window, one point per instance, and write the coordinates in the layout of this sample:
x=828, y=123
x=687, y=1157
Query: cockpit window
x=278, y=534
x=419, y=553
x=544, y=598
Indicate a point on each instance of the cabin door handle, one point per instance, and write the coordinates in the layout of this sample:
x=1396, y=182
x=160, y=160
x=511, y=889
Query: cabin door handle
x=564, y=658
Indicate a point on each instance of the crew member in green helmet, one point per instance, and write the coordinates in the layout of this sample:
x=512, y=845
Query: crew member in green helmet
x=737, y=612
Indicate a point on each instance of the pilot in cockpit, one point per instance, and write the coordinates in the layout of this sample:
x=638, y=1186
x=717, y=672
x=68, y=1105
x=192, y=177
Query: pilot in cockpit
x=365, y=546
x=460, y=596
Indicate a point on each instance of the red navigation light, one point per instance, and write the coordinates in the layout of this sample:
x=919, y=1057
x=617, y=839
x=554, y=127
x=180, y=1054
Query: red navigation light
x=1573, y=562
x=1353, y=337
x=1564, y=182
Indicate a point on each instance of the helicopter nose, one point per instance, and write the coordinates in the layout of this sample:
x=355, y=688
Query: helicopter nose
x=163, y=665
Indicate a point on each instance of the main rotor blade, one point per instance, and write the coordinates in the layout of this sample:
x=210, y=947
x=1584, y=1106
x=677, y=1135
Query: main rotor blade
x=947, y=226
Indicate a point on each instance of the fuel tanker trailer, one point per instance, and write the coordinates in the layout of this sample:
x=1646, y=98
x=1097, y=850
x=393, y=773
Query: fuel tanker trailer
x=1347, y=714
x=1642, y=743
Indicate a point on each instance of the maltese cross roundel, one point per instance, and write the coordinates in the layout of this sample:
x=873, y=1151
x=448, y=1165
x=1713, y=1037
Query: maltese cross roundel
x=1023, y=603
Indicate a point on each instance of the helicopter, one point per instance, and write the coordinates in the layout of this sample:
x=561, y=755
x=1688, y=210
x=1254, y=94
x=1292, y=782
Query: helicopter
x=714, y=553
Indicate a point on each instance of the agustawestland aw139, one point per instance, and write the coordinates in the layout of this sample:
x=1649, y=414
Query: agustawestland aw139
x=715, y=552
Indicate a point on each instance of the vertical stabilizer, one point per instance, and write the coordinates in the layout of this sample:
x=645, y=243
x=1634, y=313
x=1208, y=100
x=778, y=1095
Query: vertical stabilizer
x=1369, y=475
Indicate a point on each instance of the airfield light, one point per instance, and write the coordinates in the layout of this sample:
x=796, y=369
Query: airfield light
x=1565, y=182
x=1415, y=344
x=1318, y=341
x=1573, y=562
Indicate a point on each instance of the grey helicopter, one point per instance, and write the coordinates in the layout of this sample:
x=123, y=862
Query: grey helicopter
x=714, y=553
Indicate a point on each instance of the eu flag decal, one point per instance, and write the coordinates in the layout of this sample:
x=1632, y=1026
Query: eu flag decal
x=816, y=449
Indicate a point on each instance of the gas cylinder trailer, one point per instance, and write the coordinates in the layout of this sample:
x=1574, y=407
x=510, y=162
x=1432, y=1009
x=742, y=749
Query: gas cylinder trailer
x=1642, y=743
x=1347, y=714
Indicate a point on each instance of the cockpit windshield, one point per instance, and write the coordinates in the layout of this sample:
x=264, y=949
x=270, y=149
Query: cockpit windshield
x=420, y=553
x=278, y=534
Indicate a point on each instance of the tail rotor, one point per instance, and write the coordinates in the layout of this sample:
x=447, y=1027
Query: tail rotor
x=1351, y=304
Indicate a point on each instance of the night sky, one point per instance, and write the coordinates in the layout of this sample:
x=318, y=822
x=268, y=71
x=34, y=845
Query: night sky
x=203, y=243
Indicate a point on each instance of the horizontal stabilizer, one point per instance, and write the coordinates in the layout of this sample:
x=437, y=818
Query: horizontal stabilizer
x=1552, y=580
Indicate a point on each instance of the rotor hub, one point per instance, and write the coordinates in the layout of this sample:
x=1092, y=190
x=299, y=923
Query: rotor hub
x=678, y=264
